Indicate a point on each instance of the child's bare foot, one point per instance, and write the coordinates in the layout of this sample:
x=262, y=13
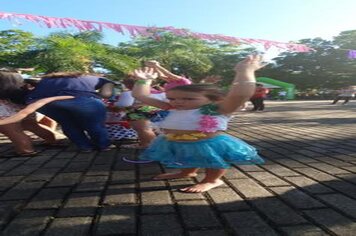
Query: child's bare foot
x=202, y=187
x=174, y=176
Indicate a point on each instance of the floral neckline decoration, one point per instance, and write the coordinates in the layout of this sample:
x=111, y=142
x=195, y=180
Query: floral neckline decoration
x=208, y=123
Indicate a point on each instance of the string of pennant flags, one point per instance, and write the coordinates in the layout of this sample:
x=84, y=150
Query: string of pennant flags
x=134, y=30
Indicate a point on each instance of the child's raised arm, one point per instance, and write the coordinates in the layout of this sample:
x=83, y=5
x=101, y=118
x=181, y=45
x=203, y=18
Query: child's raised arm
x=141, y=90
x=243, y=86
x=22, y=114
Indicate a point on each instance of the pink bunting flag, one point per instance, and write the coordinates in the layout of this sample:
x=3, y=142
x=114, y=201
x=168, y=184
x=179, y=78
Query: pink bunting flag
x=134, y=31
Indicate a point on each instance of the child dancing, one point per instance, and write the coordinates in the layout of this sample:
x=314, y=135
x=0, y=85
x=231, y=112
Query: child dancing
x=192, y=123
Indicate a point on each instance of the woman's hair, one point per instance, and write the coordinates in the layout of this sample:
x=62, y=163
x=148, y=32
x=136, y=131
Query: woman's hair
x=11, y=87
x=129, y=83
x=210, y=91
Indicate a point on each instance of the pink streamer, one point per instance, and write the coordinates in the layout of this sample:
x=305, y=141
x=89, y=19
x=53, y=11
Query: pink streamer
x=134, y=31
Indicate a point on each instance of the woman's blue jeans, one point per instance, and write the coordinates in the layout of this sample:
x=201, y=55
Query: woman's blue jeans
x=82, y=120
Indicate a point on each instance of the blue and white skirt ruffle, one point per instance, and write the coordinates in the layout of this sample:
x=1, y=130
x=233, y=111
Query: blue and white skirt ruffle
x=218, y=152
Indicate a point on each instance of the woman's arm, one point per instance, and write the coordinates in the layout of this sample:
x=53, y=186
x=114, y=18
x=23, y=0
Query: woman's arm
x=106, y=90
x=163, y=72
x=243, y=86
x=22, y=114
x=141, y=90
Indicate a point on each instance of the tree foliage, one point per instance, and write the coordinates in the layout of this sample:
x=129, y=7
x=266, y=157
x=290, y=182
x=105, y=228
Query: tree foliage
x=325, y=67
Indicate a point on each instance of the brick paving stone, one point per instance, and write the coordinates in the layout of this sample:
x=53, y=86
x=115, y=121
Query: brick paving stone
x=92, y=184
x=117, y=220
x=329, y=168
x=22, y=191
x=123, y=176
x=309, y=185
x=280, y=170
x=48, y=198
x=233, y=173
x=208, y=233
x=277, y=211
x=335, y=162
x=297, y=198
x=42, y=175
x=38, y=160
x=341, y=202
x=22, y=170
x=9, y=164
x=333, y=221
x=350, y=168
x=120, y=194
x=74, y=226
x=158, y=201
x=161, y=225
x=198, y=214
x=343, y=187
x=268, y=179
x=28, y=223
x=303, y=230
x=250, y=189
x=348, y=177
x=80, y=204
x=65, y=179
x=317, y=174
x=150, y=170
x=227, y=200
x=251, y=168
x=56, y=163
x=76, y=167
x=248, y=223
x=290, y=163
x=302, y=159
x=8, y=181
x=8, y=209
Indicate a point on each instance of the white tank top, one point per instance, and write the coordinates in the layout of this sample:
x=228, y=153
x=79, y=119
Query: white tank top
x=193, y=120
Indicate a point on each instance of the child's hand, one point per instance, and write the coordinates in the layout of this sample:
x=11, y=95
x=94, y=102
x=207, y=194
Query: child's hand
x=250, y=63
x=145, y=73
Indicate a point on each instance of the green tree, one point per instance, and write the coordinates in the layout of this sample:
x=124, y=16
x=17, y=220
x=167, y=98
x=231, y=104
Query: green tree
x=14, y=43
x=325, y=67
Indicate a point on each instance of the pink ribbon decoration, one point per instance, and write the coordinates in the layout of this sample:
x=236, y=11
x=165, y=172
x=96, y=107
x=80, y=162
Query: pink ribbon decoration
x=134, y=31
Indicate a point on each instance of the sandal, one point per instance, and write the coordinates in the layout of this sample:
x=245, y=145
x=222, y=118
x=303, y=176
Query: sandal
x=109, y=148
x=54, y=145
x=25, y=154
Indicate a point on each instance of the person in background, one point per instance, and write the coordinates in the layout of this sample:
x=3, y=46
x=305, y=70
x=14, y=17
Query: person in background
x=82, y=118
x=346, y=94
x=258, y=98
x=282, y=95
x=12, y=96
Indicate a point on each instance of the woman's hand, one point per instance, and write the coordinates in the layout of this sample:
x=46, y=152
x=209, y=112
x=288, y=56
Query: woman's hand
x=152, y=64
x=145, y=74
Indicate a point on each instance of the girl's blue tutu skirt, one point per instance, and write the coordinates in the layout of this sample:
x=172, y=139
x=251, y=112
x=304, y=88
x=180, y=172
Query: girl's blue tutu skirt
x=218, y=152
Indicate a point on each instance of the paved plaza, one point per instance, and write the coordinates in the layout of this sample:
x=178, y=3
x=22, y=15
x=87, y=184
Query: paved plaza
x=306, y=187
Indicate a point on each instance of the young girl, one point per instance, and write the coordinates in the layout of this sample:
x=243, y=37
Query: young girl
x=192, y=123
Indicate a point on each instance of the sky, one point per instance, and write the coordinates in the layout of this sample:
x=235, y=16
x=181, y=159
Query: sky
x=276, y=20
